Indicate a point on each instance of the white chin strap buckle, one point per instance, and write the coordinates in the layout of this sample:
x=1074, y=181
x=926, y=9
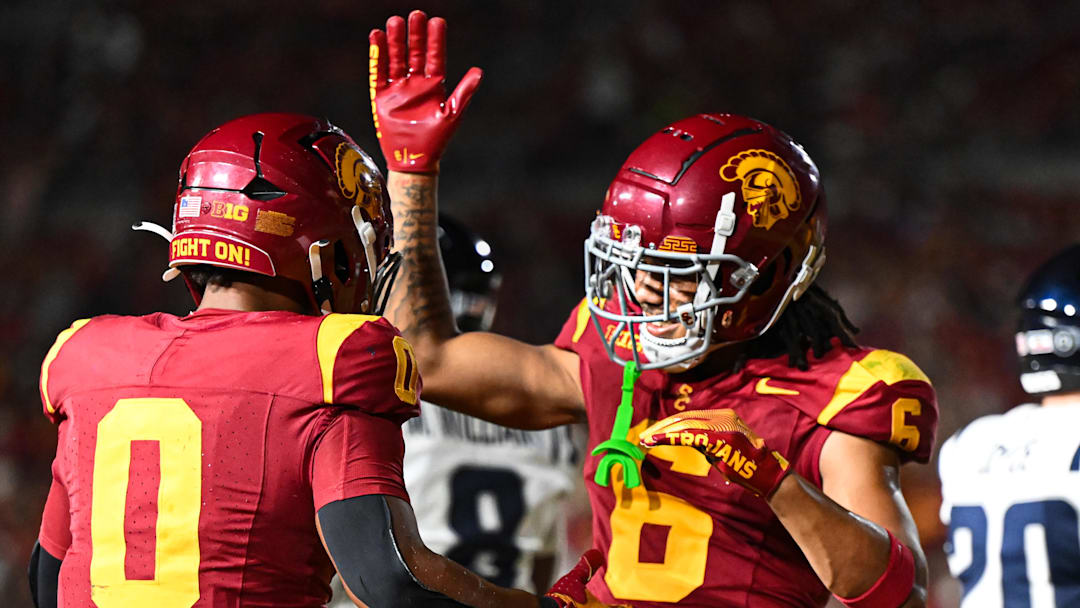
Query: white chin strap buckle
x=367, y=237
x=320, y=285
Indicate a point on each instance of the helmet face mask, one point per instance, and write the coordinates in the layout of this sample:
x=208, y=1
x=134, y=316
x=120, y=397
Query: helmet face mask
x=287, y=195
x=611, y=268
x=724, y=201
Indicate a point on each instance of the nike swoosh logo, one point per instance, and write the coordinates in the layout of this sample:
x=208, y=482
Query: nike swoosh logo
x=415, y=156
x=764, y=389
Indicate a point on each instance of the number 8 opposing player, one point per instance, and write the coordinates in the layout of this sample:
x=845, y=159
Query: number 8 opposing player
x=770, y=477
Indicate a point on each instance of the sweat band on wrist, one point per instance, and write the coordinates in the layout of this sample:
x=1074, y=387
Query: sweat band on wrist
x=894, y=585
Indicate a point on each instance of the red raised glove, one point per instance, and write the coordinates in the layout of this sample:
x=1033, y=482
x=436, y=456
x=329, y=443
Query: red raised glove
x=728, y=443
x=414, y=119
x=569, y=591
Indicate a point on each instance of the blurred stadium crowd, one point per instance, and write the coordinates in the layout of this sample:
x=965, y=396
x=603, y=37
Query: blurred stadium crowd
x=947, y=135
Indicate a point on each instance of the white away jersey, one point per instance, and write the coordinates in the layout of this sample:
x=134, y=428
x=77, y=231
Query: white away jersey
x=1011, y=497
x=489, y=497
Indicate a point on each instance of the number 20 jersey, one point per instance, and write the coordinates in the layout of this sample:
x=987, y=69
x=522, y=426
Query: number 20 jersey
x=193, y=453
x=687, y=537
x=1010, y=486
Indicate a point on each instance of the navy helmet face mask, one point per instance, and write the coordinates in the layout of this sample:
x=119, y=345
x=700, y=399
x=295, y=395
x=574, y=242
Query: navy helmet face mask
x=1048, y=340
x=471, y=274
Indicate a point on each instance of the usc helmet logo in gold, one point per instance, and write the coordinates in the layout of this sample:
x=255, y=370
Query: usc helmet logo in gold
x=769, y=186
x=357, y=180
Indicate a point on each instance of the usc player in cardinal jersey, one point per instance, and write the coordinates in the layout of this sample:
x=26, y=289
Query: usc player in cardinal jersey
x=745, y=451
x=237, y=455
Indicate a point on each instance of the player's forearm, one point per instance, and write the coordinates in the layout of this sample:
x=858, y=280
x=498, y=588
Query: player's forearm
x=420, y=303
x=453, y=580
x=375, y=546
x=849, y=553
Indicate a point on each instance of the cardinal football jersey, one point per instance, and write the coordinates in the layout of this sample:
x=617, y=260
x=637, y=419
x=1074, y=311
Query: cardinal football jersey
x=1011, y=495
x=194, y=452
x=685, y=536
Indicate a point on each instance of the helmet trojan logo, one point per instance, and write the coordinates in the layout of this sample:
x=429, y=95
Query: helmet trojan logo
x=769, y=186
x=358, y=179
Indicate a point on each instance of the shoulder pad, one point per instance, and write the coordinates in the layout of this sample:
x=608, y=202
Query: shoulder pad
x=365, y=362
x=877, y=366
x=884, y=396
x=47, y=400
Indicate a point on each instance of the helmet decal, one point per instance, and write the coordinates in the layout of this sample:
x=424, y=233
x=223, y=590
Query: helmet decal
x=274, y=222
x=769, y=186
x=678, y=244
x=358, y=179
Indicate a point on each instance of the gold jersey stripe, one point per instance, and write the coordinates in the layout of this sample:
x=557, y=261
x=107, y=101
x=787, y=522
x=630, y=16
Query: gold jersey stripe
x=878, y=366
x=582, y=321
x=333, y=331
x=53, y=352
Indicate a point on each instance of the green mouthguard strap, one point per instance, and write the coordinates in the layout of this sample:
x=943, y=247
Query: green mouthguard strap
x=618, y=450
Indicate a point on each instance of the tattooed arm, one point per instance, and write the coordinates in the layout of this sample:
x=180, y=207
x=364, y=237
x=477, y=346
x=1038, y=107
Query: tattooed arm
x=481, y=374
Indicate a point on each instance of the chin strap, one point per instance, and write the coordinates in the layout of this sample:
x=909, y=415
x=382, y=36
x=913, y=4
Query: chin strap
x=723, y=228
x=618, y=450
x=367, y=238
x=320, y=285
x=163, y=232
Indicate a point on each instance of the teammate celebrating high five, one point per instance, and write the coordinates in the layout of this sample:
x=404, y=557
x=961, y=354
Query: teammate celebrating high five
x=700, y=297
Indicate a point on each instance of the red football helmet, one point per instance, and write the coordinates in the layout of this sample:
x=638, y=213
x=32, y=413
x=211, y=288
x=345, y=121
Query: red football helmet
x=728, y=200
x=269, y=193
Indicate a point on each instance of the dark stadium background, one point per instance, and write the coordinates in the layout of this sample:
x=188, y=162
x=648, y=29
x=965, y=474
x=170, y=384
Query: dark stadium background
x=947, y=135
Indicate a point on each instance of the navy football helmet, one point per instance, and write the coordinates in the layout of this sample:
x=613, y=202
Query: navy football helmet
x=471, y=274
x=1048, y=339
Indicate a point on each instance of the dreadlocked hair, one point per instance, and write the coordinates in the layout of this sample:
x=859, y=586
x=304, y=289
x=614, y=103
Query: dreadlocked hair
x=809, y=323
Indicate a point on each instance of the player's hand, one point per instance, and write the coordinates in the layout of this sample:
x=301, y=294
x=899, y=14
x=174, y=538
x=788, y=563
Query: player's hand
x=414, y=119
x=728, y=443
x=569, y=591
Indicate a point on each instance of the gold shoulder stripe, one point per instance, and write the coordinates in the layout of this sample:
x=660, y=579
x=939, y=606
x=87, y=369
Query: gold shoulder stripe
x=333, y=331
x=53, y=352
x=582, y=321
x=878, y=366
x=892, y=367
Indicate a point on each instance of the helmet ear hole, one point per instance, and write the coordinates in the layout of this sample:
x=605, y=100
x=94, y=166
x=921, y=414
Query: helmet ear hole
x=768, y=276
x=341, y=263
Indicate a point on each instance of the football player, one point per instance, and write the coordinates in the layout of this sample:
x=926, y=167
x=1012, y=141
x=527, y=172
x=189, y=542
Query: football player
x=772, y=476
x=237, y=455
x=491, y=498
x=1011, y=482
